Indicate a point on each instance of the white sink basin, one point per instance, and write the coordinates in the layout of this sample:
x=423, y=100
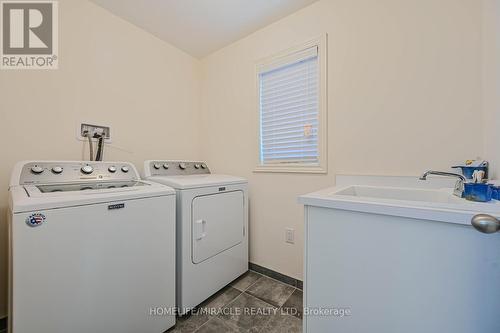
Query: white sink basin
x=437, y=204
x=394, y=193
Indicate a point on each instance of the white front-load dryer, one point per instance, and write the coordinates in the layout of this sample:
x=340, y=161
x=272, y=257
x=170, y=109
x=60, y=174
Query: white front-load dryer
x=212, y=228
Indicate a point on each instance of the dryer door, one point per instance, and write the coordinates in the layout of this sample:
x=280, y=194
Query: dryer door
x=217, y=224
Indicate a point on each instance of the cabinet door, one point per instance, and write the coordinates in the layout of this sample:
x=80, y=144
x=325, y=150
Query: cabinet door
x=217, y=224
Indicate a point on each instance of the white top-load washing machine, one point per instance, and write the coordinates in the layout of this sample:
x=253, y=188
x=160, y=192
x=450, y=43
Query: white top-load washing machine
x=212, y=225
x=92, y=249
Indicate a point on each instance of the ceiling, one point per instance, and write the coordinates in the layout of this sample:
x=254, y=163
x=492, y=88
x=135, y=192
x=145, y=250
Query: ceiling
x=200, y=27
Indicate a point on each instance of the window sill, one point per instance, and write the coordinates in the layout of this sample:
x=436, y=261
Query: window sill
x=290, y=169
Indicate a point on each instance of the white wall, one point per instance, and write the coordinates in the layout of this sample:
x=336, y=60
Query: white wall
x=110, y=72
x=491, y=82
x=404, y=87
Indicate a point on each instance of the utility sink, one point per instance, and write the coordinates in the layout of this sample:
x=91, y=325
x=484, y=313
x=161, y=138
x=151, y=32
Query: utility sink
x=412, y=247
x=395, y=193
x=414, y=199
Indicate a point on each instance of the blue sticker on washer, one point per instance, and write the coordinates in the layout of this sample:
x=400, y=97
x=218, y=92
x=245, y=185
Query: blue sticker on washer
x=35, y=219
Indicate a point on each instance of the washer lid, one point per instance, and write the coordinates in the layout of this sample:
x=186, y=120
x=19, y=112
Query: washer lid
x=35, y=197
x=196, y=181
x=90, y=186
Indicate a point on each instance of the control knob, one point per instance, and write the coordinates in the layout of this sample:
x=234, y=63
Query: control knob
x=156, y=166
x=112, y=169
x=57, y=170
x=196, y=166
x=87, y=169
x=165, y=166
x=182, y=166
x=37, y=169
x=125, y=169
x=203, y=166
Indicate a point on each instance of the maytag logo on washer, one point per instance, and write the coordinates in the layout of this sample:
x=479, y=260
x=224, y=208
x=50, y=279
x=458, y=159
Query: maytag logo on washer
x=35, y=219
x=116, y=206
x=29, y=34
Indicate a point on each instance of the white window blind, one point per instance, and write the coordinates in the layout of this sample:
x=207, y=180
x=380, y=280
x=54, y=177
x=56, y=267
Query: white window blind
x=289, y=109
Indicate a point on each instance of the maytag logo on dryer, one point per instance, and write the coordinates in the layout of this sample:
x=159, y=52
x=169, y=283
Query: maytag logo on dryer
x=35, y=219
x=29, y=34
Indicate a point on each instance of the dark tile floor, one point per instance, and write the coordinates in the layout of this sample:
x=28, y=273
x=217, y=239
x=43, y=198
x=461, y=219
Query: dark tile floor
x=253, y=303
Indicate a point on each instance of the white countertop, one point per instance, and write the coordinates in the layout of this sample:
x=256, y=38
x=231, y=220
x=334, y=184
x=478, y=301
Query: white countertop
x=446, y=207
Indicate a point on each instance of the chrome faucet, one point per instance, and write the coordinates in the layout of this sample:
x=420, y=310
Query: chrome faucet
x=459, y=185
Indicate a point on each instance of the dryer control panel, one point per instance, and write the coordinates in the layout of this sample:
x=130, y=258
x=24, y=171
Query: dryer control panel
x=51, y=172
x=175, y=168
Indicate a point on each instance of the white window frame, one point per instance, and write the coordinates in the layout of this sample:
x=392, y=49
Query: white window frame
x=276, y=60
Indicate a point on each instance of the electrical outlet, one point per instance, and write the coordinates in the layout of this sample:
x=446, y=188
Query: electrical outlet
x=95, y=131
x=290, y=235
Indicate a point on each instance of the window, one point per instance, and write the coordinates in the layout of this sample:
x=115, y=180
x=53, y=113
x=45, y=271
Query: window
x=292, y=110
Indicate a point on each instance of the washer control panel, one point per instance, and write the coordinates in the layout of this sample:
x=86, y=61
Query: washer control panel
x=176, y=168
x=68, y=172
